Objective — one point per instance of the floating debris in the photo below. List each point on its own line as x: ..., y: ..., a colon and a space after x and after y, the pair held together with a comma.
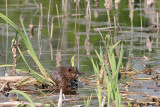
x: 87, y: 45
x: 15, y: 52
x: 31, y: 27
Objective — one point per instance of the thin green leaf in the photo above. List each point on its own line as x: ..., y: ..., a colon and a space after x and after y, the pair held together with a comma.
x: 26, y: 42
x: 26, y: 82
x: 112, y: 47
x: 72, y: 61
x: 6, y: 65
x: 34, y: 74
x: 25, y: 95
x: 100, y: 57
x: 108, y: 88
x: 120, y: 60
x: 46, y: 97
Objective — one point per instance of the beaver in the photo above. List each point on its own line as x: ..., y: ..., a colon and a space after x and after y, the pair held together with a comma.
x: 64, y: 76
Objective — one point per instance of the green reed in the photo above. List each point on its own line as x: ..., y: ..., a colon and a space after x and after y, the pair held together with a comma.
x: 110, y: 75
x: 44, y: 78
x: 88, y: 101
x: 18, y: 92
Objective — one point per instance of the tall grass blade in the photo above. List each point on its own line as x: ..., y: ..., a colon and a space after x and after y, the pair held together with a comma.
x: 110, y: 75
x: 96, y: 69
x: 112, y: 61
x: 100, y: 57
x: 26, y: 82
x: 119, y: 62
x: 88, y: 101
x: 25, y: 95
x: 34, y: 74
x: 46, y: 97
x: 112, y: 47
x: 31, y: 51
x: 108, y: 88
x: 26, y: 42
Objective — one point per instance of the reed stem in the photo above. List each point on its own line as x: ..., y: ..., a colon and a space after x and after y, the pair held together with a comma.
x: 7, y: 32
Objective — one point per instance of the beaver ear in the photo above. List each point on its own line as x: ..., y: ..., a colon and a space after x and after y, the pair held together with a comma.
x: 69, y: 69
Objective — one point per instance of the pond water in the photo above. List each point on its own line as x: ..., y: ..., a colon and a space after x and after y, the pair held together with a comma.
x: 75, y: 33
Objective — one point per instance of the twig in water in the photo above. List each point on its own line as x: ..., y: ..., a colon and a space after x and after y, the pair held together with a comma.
x: 102, y: 38
x: 108, y: 5
x: 48, y: 15
x: 39, y: 38
x: 58, y: 16
x: 6, y: 33
x: 36, y: 3
x: 2, y: 88
x: 51, y: 36
x: 60, y: 99
x: 41, y: 17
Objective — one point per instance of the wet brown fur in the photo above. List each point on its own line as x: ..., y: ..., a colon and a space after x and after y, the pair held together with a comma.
x: 62, y: 76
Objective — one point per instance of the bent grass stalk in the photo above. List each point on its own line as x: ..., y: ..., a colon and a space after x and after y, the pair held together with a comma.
x: 26, y: 96
x: 52, y: 103
x: 34, y: 74
x: 29, y: 47
x: 30, y: 100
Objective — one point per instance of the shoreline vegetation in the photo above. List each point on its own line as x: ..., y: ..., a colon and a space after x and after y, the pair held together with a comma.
x: 108, y: 60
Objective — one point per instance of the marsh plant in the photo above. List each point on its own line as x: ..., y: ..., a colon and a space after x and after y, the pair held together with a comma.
x: 87, y: 102
x: 30, y: 102
x: 110, y: 75
x: 42, y: 77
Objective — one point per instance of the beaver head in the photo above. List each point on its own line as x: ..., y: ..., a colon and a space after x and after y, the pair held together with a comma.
x: 72, y: 73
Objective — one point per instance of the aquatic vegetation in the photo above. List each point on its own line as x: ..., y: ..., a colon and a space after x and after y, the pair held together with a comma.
x: 31, y: 103
x: 110, y: 75
x: 6, y: 65
x: 72, y: 61
x: 88, y: 101
x: 41, y: 78
x: 52, y: 103
x: 25, y: 95
x: 71, y: 29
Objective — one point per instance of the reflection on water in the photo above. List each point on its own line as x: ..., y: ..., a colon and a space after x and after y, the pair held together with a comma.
x: 58, y: 58
x: 149, y: 42
x: 135, y: 22
x: 31, y: 28
x: 87, y: 46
